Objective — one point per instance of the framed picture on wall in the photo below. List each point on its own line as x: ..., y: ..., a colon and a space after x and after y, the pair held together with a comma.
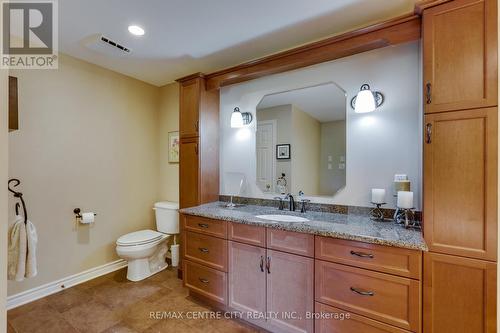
x: 283, y: 152
x: 173, y: 147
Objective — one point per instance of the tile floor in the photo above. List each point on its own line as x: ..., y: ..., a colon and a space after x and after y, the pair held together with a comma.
x: 111, y: 304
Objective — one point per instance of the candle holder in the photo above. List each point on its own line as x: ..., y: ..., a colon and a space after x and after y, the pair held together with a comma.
x: 406, y: 217
x: 376, y: 214
x: 231, y: 204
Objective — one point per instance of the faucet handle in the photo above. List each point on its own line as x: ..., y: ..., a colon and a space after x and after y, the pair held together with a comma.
x: 280, y: 206
x: 303, y: 207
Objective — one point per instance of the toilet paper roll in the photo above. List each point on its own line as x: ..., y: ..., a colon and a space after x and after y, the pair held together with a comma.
x: 87, y: 218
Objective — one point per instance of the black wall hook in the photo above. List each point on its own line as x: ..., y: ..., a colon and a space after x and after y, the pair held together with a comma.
x: 19, y: 195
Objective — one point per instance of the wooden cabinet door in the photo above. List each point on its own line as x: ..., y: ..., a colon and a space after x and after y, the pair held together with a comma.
x: 190, y: 94
x: 460, y: 183
x: 290, y: 291
x: 189, y: 173
x: 247, y: 278
x: 460, y: 55
x: 459, y: 295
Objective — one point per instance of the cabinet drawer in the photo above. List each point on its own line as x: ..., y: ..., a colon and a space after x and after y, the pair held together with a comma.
x: 352, y: 323
x: 206, y: 250
x: 248, y: 234
x: 380, y: 258
x: 387, y: 298
x: 206, y: 281
x: 292, y: 242
x: 206, y: 226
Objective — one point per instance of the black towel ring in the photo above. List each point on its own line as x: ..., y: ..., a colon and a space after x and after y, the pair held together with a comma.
x: 20, y: 196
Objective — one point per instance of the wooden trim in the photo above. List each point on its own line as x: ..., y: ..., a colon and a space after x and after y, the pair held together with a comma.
x: 421, y: 5
x: 395, y: 31
x: 190, y: 77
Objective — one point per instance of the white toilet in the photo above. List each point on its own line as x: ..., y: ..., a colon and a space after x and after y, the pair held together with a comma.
x: 146, y: 250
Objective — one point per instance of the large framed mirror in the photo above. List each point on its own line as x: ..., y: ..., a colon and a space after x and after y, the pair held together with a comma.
x: 301, y: 141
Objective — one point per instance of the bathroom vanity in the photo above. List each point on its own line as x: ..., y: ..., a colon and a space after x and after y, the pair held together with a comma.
x: 239, y: 262
x: 451, y: 157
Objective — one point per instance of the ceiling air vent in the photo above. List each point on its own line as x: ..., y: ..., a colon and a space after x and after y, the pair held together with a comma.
x: 115, y: 44
x: 105, y: 45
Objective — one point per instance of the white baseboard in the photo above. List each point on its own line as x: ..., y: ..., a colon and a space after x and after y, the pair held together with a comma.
x: 31, y: 295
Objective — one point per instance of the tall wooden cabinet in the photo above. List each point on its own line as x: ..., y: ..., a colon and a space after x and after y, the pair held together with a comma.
x: 460, y: 182
x: 199, y: 143
x: 460, y: 55
x: 459, y: 294
x: 460, y: 166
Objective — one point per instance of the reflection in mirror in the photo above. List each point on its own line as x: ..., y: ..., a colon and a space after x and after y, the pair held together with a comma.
x: 301, y: 141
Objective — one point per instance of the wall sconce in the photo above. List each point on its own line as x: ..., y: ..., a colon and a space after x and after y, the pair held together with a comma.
x: 366, y: 100
x: 240, y: 119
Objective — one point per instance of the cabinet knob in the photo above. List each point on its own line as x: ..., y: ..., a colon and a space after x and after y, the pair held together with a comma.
x: 205, y: 281
x: 203, y: 225
x: 203, y: 249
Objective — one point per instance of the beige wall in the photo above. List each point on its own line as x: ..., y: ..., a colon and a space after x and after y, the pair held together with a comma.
x: 169, y: 122
x: 3, y: 195
x: 88, y: 138
x: 305, y: 151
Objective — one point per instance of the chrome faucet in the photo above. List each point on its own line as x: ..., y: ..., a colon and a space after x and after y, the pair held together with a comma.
x: 292, y: 202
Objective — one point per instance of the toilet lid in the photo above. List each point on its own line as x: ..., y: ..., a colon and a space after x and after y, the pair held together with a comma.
x: 139, y: 237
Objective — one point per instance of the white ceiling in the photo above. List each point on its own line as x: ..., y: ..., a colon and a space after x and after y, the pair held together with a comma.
x: 324, y: 102
x: 187, y: 36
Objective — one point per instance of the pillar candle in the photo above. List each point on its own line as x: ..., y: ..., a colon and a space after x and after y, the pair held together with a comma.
x: 405, y: 199
x: 378, y: 195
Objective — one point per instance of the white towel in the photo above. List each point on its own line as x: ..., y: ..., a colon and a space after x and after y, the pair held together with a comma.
x: 22, y: 250
x: 17, y: 256
x: 32, y: 240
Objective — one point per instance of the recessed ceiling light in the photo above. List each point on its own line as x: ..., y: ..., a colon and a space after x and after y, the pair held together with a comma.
x: 136, y: 30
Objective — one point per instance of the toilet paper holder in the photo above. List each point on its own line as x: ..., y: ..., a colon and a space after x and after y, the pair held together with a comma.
x: 78, y: 213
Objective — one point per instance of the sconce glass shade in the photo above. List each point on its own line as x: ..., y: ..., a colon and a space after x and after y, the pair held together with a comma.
x: 240, y: 119
x: 366, y: 100
x: 236, y: 118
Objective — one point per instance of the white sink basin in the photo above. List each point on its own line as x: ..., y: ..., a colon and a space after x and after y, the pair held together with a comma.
x: 282, y: 218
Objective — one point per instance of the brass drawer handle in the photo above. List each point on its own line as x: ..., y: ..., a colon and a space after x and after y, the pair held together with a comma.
x: 362, y: 292
x: 362, y: 255
x: 205, y: 281
x: 203, y: 249
x: 203, y: 225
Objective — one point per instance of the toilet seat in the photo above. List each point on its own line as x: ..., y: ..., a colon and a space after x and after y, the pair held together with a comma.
x: 141, y: 237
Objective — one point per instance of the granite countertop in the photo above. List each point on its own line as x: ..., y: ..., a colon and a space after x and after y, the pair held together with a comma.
x: 344, y: 226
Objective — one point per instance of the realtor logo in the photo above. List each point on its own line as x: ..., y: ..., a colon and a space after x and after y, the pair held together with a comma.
x: 29, y: 34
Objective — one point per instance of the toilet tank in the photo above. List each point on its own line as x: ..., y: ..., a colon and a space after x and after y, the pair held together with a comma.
x: 167, y: 217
